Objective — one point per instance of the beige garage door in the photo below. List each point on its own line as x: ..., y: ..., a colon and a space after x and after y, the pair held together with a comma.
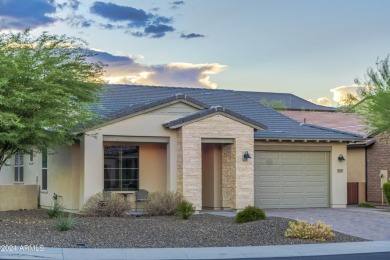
x: 291, y: 179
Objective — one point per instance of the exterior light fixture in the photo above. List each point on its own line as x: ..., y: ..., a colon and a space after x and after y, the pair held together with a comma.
x: 246, y: 156
x: 341, y: 157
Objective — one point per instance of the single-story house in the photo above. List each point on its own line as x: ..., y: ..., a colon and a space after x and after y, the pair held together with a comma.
x: 220, y: 148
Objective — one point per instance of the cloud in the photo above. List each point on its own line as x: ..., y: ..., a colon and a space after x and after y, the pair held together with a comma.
x: 185, y: 74
x: 78, y: 21
x: 158, y: 31
x: 340, y: 94
x: 176, y: 4
x: 72, y: 4
x: 191, y: 35
x: 324, y: 101
x: 147, y: 24
x: 20, y: 14
x: 117, y: 13
x: 126, y: 70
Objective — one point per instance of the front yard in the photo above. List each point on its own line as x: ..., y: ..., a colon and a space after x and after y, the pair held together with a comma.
x: 34, y: 227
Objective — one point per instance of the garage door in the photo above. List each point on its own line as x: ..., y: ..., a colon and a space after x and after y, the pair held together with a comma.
x: 291, y: 179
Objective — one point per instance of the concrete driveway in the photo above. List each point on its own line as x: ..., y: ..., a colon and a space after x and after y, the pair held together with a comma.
x: 372, y: 224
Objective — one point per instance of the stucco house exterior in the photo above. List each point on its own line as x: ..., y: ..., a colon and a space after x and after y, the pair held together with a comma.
x: 196, y: 142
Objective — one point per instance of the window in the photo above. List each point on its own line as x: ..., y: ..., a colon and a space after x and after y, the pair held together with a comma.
x: 121, y: 172
x: 44, y: 169
x: 18, y: 174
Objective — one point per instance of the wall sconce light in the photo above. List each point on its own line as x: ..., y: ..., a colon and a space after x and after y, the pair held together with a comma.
x: 341, y: 157
x: 246, y: 156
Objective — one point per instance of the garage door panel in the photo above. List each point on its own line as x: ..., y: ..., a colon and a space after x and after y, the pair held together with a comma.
x: 292, y: 190
x: 291, y: 167
x: 269, y: 168
x: 315, y: 168
x: 291, y: 156
x: 270, y: 190
x: 270, y: 179
x: 317, y: 156
x: 295, y: 180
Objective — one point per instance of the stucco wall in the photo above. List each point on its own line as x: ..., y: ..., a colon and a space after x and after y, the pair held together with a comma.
x: 63, y: 168
x: 146, y: 125
x: 15, y: 197
x: 240, y: 193
x: 338, y: 169
x: 357, y: 170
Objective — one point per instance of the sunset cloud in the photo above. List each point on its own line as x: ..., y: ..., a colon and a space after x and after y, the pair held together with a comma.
x: 126, y: 70
x: 340, y: 94
x: 324, y: 101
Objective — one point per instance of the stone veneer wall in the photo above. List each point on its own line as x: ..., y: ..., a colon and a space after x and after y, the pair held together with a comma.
x: 378, y: 158
x: 237, y: 175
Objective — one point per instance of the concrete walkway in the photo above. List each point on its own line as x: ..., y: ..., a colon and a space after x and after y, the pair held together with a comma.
x: 372, y: 224
x: 203, y: 253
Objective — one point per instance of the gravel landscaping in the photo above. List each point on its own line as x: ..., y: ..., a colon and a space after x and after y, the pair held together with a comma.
x: 34, y: 227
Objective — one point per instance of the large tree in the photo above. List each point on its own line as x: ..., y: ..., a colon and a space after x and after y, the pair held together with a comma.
x: 374, y: 97
x: 47, y: 85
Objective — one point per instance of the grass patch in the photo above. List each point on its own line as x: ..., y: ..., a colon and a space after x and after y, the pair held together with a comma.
x: 65, y: 223
x: 365, y: 205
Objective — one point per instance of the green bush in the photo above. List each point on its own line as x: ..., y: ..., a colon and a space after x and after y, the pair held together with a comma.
x: 304, y: 230
x: 386, y: 190
x: 65, y: 223
x: 106, y: 204
x: 55, y: 211
x: 185, y: 209
x: 365, y: 205
x: 162, y: 203
x: 250, y: 213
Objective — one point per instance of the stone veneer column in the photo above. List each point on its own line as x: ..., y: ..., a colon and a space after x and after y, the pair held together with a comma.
x: 237, y: 175
x: 228, y: 176
x: 190, y: 166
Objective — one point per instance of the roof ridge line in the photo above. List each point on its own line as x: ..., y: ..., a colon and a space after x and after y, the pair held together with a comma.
x: 333, y: 130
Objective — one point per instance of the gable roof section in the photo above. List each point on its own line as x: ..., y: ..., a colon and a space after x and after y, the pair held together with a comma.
x: 141, y: 108
x: 279, y: 127
x: 210, y: 112
x: 290, y: 101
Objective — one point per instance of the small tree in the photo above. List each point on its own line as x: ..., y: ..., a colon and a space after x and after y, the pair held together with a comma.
x: 47, y: 85
x: 373, y: 101
x: 274, y: 104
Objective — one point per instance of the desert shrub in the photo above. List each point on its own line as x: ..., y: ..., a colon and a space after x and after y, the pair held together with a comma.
x: 65, y: 223
x: 162, y: 203
x: 365, y: 205
x: 386, y: 191
x: 185, y: 209
x: 106, y: 204
x: 55, y: 211
x: 304, y: 230
x: 250, y: 213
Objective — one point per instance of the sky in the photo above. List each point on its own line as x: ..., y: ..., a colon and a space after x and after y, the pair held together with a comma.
x: 311, y: 48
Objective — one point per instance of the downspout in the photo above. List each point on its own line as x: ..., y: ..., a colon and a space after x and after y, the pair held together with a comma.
x: 366, y: 175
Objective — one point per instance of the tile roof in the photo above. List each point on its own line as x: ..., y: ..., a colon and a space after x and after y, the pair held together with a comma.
x: 121, y: 97
x: 211, y: 111
x: 347, y: 122
x: 289, y: 101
